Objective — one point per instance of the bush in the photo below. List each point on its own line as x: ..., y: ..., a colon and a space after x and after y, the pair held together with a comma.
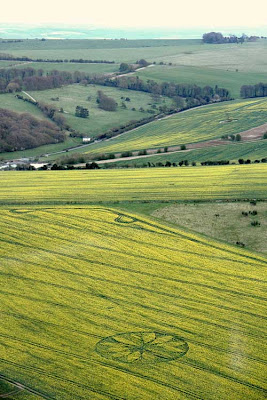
x: 183, y: 147
x: 142, y: 153
x: 255, y: 223
x: 126, y: 154
x: 106, y: 103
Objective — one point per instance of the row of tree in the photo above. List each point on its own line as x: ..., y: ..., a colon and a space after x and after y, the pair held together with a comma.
x: 184, y: 95
x: 218, y: 38
x: 9, y: 57
x: 258, y: 90
x: 14, y: 79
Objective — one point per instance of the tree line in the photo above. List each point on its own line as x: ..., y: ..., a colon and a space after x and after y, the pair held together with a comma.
x: 184, y: 95
x: 49, y: 111
x: 23, y: 131
x: 250, y: 91
x: 218, y: 38
x: 9, y: 57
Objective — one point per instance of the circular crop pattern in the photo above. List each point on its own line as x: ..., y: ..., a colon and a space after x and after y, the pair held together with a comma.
x: 146, y: 347
x: 125, y: 219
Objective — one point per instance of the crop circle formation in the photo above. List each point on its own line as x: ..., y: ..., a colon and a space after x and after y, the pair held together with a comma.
x: 145, y: 347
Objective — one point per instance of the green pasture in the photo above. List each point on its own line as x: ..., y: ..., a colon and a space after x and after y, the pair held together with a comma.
x: 99, y: 120
x: 232, y: 152
x: 70, y: 44
x: 42, y: 151
x: 203, y: 76
x: 93, y: 69
x: 223, y: 221
x: 248, y: 57
x: 10, y: 102
x: 7, y: 64
x: 192, y: 126
x: 111, y: 50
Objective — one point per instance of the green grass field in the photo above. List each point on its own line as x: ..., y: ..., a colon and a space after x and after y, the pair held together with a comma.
x: 10, y: 102
x: 42, y: 151
x: 111, y: 50
x: 190, y: 127
x: 202, y: 76
x: 221, y: 220
x: 99, y: 120
x: 94, y: 69
x: 155, y: 184
x: 232, y: 152
x: 7, y: 64
x: 249, y: 57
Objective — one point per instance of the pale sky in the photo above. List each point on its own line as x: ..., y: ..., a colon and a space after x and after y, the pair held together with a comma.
x: 138, y: 13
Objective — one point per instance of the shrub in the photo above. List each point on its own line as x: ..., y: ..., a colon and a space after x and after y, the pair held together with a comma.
x: 255, y: 223
x: 142, y: 153
x: 106, y: 103
x: 126, y: 154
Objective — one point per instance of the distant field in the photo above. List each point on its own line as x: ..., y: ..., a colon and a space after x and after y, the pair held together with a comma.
x: 200, y: 76
x: 94, y: 69
x: 70, y: 44
x: 99, y: 120
x: 155, y: 184
x: 249, y: 150
x: 7, y: 64
x: 190, y: 127
x: 111, y: 50
x: 249, y: 57
x: 10, y: 102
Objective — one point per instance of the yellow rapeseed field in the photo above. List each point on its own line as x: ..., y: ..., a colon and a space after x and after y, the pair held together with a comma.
x: 97, y: 304
x: 153, y: 184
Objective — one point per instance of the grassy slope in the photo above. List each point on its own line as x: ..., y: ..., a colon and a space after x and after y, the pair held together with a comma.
x: 99, y: 120
x: 71, y: 67
x: 9, y: 102
x: 202, y: 76
x: 190, y: 127
x: 222, y: 221
x: 41, y: 151
x: 87, y: 282
x: 155, y: 184
x: 234, y: 151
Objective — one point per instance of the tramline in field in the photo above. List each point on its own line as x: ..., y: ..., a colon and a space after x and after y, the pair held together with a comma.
x: 90, y: 292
